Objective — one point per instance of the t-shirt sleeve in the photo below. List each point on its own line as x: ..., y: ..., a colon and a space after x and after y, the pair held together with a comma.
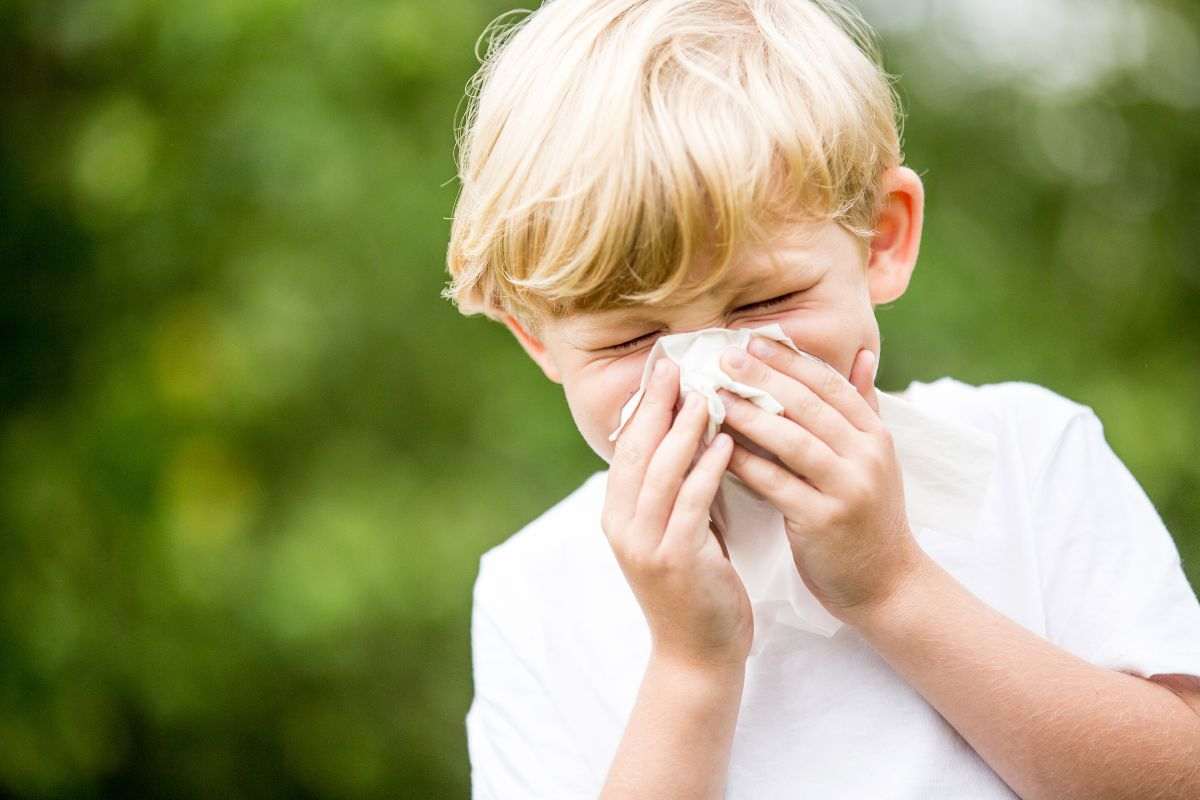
x: 1114, y: 588
x: 516, y: 739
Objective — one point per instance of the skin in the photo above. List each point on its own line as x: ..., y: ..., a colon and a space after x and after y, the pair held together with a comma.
x: 832, y: 316
x: 1019, y: 701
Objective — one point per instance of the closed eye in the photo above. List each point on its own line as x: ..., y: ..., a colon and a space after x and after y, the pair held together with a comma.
x: 774, y: 301
x: 632, y: 342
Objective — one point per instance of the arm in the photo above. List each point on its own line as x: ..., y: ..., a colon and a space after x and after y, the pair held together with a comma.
x: 1049, y: 723
x: 678, y: 739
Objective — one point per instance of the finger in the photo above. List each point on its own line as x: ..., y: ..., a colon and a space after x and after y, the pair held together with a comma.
x: 799, y: 450
x: 790, y: 494
x: 688, y: 527
x: 669, y: 465
x: 819, y: 376
x: 862, y: 376
x: 801, y: 404
x: 638, y: 441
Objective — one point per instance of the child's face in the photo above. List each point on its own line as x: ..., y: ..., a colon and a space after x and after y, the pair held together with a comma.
x: 825, y: 295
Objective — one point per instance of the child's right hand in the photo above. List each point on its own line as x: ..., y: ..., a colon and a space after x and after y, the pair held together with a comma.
x: 656, y: 520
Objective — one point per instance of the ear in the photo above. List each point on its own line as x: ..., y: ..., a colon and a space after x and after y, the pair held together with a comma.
x: 534, y: 347
x: 897, y: 235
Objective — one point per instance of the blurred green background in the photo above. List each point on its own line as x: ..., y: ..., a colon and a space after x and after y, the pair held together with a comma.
x: 249, y: 459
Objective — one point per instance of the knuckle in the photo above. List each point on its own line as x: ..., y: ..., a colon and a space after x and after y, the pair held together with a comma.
x: 801, y: 445
x: 691, y: 499
x: 789, y: 361
x: 620, y: 550
x: 654, y: 404
x: 669, y: 561
x: 887, y: 442
x: 811, y: 406
x: 858, y: 492
x: 628, y: 455
x: 755, y: 369
x: 681, y: 426
x: 841, y: 509
x: 647, y: 563
x: 877, y: 460
x: 830, y: 382
x: 776, y: 479
x: 613, y: 524
x: 632, y: 556
x: 684, y: 494
x: 882, y: 450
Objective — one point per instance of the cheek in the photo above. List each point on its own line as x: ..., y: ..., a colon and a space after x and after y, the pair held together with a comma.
x: 597, y: 397
x: 834, y: 335
x: 819, y: 332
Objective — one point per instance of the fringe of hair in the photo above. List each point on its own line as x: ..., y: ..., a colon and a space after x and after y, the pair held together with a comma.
x: 611, y: 147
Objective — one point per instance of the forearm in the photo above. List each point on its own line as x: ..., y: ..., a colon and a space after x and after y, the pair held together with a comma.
x: 679, y: 735
x: 1049, y: 723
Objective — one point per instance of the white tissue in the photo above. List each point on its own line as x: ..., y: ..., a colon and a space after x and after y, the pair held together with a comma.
x: 945, y: 468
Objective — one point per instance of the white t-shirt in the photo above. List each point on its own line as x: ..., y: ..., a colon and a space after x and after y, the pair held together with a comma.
x: 1069, y: 546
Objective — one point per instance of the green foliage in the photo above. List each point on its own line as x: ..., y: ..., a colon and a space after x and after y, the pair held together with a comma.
x: 249, y: 458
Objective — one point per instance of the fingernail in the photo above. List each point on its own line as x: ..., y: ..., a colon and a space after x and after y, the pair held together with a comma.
x: 691, y: 401
x: 660, y: 369
x: 760, y: 348
x: 735, y: 358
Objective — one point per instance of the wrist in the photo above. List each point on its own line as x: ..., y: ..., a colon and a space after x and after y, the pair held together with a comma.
x: 906, y: 597
x: 699, y: 677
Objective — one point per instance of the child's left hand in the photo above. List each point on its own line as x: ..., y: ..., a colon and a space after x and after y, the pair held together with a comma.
x: 839, y: 488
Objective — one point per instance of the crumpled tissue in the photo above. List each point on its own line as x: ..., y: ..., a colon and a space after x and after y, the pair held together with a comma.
x: 945, y: 466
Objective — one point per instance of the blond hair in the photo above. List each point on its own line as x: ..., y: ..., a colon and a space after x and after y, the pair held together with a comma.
x: 610, y: 144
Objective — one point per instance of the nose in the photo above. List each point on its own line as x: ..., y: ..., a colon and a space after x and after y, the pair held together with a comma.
x: 700, y: 314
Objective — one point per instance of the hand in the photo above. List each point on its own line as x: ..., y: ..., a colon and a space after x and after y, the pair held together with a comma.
x: 656, y: 518
x: 837, y: 480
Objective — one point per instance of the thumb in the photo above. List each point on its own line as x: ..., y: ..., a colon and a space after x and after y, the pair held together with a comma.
x: 862, y: 376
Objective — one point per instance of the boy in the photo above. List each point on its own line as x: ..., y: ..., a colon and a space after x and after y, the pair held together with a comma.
x: 634, y: 169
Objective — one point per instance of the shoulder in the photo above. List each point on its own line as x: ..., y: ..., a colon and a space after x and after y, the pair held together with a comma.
x: 1028, y: 419
x: 530, y: 579
x: 992, y: 403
